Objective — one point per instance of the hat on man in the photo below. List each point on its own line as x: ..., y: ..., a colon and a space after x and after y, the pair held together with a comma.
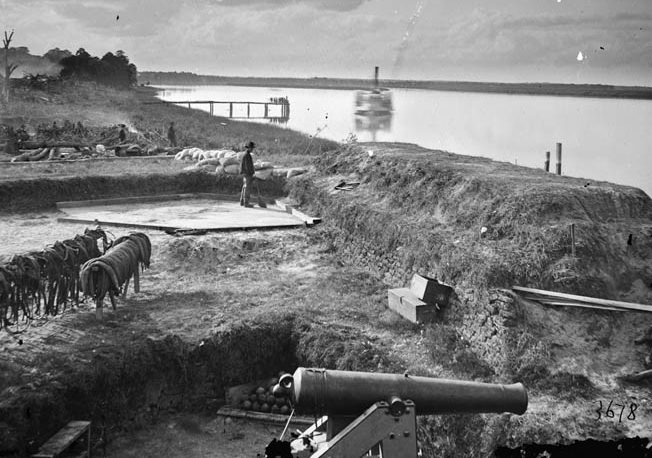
x: 250, y: 145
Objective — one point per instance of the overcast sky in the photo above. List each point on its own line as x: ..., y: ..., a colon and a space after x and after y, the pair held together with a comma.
x: 478, y: 40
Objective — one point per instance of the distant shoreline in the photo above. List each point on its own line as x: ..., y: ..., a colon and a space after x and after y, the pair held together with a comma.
x: 549, y: 89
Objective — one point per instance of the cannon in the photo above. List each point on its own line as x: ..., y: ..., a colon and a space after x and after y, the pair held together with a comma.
x: 376, y: 412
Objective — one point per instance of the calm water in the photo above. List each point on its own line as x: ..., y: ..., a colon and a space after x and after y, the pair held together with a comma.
x: 603, y: 139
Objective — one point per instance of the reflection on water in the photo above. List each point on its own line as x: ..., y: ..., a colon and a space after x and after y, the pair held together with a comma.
x: 372, y: 123
x: 603, y: 139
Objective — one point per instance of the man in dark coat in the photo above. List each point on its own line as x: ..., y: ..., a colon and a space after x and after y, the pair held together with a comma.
x: 172, y: 135
x: 123, y: 133
x: 247, y: 171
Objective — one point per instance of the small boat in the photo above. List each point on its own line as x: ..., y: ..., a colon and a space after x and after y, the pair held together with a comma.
x: 373, y: 101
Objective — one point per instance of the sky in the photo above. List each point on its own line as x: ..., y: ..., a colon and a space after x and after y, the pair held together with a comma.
x: 469, y: 40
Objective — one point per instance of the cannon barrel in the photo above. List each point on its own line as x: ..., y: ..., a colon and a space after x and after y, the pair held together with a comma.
x: 351, y: 393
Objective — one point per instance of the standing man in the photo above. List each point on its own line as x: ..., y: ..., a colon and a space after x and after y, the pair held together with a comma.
x: 247, y: 171
x: 172, y: 135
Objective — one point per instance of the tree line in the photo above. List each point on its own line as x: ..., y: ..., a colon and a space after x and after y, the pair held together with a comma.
x: 111, y: 69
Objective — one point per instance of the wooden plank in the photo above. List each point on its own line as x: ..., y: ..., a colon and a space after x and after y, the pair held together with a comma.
x: 585, y: 299
x: 262, y: 416
x: 175, y: 228
x: 309, y: 220
x: 579, y: 304
x: 63, y: 439
x: 569, y: 303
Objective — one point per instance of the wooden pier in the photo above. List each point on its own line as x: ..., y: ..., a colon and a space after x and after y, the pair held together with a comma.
x: 281, y: 102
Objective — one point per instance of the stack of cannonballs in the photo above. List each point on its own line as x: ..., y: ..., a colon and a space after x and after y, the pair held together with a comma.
x: 261, y: 399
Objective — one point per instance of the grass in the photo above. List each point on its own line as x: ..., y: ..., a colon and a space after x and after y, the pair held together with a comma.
x: 102, y: 107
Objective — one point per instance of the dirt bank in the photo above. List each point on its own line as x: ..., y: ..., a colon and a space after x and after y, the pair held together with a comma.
x: 28, y: 195
x: 417, y: 210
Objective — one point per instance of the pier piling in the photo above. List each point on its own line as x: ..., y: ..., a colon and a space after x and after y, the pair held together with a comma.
x: 546, y: 165
x: 558, y: 158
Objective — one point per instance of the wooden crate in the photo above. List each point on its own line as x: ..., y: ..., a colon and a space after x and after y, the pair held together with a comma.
x: 405, y: 303
x: 430, y: 290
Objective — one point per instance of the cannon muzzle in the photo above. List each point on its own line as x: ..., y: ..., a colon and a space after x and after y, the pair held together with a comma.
x: 344, y: 393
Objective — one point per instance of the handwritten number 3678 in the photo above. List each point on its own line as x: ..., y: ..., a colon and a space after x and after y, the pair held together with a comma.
x: 609, y: 413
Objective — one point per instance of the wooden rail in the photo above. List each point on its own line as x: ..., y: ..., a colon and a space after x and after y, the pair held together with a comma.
x: 283, y: 103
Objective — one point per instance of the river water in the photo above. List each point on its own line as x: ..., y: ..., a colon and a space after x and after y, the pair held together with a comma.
x: 602, y: 139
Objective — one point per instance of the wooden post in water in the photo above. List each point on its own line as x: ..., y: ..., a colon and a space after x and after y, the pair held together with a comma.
x: 189, y: 105
x: 266, y: 109
x: 558, y: 158
x: 572, y: 234
x: 248, y: 109
x: 230, y: 109
x: 547, y: 163
x: 211, y: 108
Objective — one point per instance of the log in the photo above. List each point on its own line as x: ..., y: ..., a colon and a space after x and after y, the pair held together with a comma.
x: 49, y: 144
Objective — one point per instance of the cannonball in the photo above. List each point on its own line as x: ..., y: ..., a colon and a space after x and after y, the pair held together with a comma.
x: 247, y: 405
x: 271, y: 399
x: 255, y: 406
x: 281, y: 401
x: 253, y: 397
x: 285, y: 410
x: 262, y: 398
x: 275, y: 409
x: 260, y: 390
x: 264, y: 408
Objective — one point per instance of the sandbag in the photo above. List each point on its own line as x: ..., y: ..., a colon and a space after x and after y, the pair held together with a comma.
x: 260, y: 165
x: 211, y: 154
x: 295, y: 171
x: 229, y: 158
x: 54, y: 154
x: 211, y: 162
x: 233, y: 169
x: 263, y: 174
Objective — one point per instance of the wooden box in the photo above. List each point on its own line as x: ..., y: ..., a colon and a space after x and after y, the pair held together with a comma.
x: 406, y: 304
x: 430, y: 290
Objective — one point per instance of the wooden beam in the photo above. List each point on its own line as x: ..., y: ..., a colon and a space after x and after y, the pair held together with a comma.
x: 638, y: 377
x: 583, y: 299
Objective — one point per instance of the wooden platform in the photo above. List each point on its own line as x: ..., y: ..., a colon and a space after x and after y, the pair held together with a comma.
x: 183, y: 212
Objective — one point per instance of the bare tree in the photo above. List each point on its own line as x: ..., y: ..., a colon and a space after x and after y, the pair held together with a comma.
x: 9, y: 69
